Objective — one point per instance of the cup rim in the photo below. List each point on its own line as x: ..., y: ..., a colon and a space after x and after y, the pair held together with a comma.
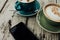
x: 44, y: 12
x: 26, y: 2
x: 39, y: 23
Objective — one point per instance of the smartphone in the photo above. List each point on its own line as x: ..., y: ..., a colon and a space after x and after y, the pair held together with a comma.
x: 21, y: 32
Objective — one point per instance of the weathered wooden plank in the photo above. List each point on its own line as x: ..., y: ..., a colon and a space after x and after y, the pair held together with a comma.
x: 40, y: 33
x: 6, y: 6
x: 7, y: 35
x: 5, y: 16
x: 44, y: 2
x: 17, y: 18
x: 2, y: 3
x: 32, y: 24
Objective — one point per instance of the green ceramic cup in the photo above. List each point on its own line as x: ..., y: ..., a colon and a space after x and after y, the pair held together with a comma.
x: 44, y: 24
x: 47, y: 12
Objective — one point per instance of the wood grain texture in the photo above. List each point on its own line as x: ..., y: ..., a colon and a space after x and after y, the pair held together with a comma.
x: 5, y: 16
x: 9, y: 13
x: 33, y: 26
x: 2, y: 3
x: 39, y: 32
x: 44, y: 2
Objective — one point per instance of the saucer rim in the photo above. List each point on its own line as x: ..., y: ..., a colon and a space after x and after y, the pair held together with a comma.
x: 49, y: 4
x: 26, y: 15
x: 37, y: 8
x: 38, y: 22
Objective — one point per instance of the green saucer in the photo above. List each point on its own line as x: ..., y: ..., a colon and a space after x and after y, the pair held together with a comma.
x: 44, y: 25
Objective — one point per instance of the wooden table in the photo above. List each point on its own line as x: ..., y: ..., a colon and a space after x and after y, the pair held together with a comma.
x: 9, y: 18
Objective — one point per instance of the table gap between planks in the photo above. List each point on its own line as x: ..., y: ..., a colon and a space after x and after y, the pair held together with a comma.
x: 9, y: 16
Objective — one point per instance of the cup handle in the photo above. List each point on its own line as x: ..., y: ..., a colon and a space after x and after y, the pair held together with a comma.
x: 17, y: 6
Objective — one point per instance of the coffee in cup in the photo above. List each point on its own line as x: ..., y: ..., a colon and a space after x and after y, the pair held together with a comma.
x: 52, y: 14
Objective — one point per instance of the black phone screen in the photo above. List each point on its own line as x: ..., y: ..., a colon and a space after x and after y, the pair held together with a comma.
x: 21, y: 32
